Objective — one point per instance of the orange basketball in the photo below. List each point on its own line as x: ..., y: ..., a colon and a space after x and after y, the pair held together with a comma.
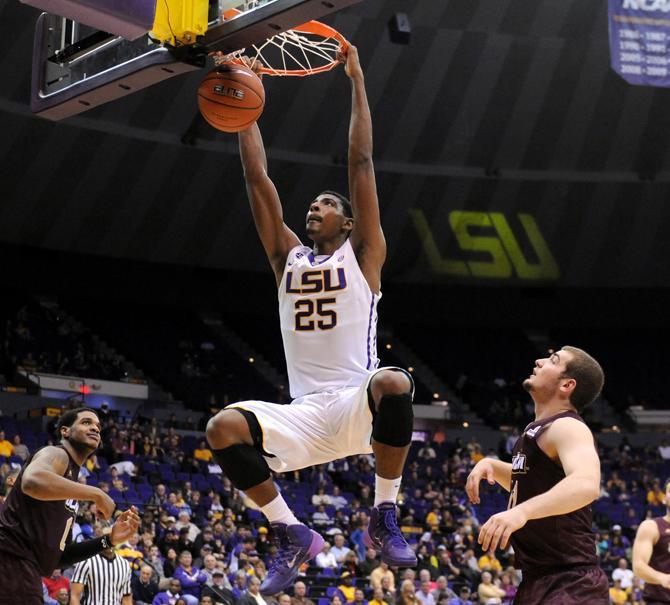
x: 231, y: 97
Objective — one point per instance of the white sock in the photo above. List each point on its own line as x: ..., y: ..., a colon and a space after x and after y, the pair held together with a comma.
x: 278, y: 511
x: 386, y: 490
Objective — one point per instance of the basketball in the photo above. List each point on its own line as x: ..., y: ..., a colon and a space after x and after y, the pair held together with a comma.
x: 231, y: 97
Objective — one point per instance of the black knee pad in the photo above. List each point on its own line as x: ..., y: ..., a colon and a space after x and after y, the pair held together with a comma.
x: 394, y: 421
x: 243, y: 464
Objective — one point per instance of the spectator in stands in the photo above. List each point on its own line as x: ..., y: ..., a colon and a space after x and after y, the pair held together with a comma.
x: 442, y: 588
x: 381, y: 572
x: 624, y: 574
x: 46, y: 598
x: 664, y: 450
x: 336, y: 599
x: 656, y: 495
x: 508, y: 586
x: 218, y: 592
x: 617, y: 533
x: 489, y: 593
x: 407, y: 594
x: 424, y: 594
x: 427, y: 452
x: 326, y: 559
x: 489, y: 562
x: 253, y: 596
x: 20, y: 449
x: 463, y: 597
x: 144, y: 587
x: 203, y: 453
x: 240, y: 584
x: 155, y: 561
x: 6, y: 448
x: 346, y: 587
x: 300, y: 595
x: 184, y: 522
x: 320, y: 517
x: 190, y: 577
x: 377, y: 597
x: 169, y: 596
x: 388, y: 590
x: 321, y: 497
x: 618, y: 595
x: 63, y: 596
x: 359, y: 597
x: 56, y: 581
x: 170, y: 563
x: 340, y: 550
x: 369, y: 563
x: 337, y: 499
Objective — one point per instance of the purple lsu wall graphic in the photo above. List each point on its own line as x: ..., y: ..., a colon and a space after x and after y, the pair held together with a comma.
x: 639, y: 31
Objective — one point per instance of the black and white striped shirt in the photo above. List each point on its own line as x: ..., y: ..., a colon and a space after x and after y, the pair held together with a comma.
x: 108, y: 581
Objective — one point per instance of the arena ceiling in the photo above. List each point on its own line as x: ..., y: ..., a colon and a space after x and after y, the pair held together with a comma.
x: 503, y: 105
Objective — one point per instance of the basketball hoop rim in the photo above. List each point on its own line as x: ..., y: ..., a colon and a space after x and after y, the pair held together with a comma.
x: 316, y: 28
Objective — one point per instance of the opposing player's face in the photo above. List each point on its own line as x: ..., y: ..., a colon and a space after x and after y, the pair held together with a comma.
x: 325, y: 219
x: 85, y: 431
x: 546, y: 377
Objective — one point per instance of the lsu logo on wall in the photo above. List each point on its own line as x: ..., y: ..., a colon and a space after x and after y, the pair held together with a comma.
x: 506, y: 258
x: 519, y: 463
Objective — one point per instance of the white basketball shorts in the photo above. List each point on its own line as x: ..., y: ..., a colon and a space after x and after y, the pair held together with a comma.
x: 316, y: 428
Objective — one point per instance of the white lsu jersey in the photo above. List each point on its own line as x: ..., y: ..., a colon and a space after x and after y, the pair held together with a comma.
x: 328, y: 318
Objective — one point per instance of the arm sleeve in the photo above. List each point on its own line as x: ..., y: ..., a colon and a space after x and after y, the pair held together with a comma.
x: 127, y: 588
x: 79, y: 551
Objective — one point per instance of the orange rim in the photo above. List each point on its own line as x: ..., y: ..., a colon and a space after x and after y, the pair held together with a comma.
x: 311, y: 27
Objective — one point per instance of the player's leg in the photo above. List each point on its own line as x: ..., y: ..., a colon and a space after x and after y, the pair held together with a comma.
x: 233, y: 447
x: 236, y: 439
x: 391, y: 392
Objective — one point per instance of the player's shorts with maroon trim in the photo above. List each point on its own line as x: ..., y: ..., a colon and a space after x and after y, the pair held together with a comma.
x: 573, y: 585
x: 20, y: 581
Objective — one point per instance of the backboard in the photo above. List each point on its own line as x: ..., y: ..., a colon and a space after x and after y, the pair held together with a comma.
x: 77, y: 67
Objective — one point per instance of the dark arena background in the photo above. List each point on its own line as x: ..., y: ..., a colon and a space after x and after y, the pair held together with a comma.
x: 523, y: 188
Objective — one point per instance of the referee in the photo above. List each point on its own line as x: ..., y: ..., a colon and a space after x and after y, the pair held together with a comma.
x: 106, y: 576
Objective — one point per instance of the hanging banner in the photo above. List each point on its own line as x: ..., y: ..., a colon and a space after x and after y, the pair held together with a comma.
x: 639, y: 32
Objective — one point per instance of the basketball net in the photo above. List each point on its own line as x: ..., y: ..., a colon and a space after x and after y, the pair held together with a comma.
x: 305, y: 50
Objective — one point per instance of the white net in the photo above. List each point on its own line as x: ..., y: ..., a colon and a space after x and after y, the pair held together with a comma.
x: 295, y: 51
x: 305, y: 50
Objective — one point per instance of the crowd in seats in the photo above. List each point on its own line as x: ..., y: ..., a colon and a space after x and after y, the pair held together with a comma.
x: 201, y: 538
x: 41, y: 338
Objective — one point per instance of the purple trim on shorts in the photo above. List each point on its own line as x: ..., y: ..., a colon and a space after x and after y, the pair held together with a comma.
x: 372, y: 306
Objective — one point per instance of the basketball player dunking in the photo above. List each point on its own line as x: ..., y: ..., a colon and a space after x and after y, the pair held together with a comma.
x: 651, y: 556
x: 36, y: 518
x: 553, y: 478
x: 342, y: 403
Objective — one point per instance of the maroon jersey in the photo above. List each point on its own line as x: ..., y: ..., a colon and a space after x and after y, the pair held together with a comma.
x: 558, y: 541
x: 37, y: 530
x: 660, y: 561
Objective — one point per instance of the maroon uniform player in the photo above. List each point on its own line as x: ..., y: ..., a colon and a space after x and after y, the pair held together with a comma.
x: 553, y: 478
x: 36, y: 518
x: 651, y: 556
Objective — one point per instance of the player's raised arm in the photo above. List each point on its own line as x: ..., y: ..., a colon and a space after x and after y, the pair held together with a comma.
x: 276, y: 237
x: 367, y: 238
x: 43, y: 479
x: 645, y: 539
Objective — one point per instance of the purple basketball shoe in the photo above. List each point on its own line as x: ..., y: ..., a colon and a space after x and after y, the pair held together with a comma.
x: 383, y: 534
x: 297, y: 544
